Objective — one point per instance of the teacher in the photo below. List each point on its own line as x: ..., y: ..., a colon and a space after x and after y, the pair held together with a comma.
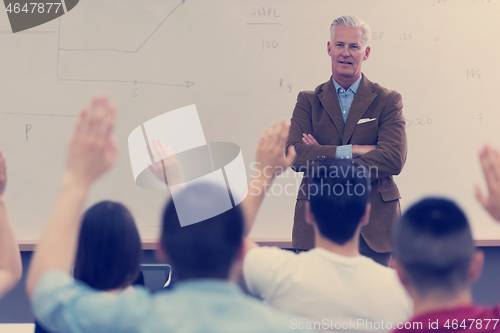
x: 350, y: 117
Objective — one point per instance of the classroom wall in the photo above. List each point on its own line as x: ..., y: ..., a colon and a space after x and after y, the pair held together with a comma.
x: 243, y: 63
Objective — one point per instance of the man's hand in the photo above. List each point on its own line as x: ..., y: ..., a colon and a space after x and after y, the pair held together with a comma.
x: 309, y: 139
x: 92, y: 150
x: 359, y: 150
x: 271, y: 151
x: 490, y: 162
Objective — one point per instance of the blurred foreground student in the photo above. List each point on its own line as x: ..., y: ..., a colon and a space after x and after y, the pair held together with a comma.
x: 109, y: 250
x: 332, y: 284
x: 10, y: 258
x: 204, y: 255
x: 437, y: 262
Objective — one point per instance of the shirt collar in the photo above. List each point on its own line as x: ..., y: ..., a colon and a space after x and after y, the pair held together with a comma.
x: 353, y: 87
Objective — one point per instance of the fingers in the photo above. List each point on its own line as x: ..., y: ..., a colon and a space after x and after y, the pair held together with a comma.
x: 168, y: 150
x: 275, y: 137
x: 81, y: 124
x: 97, y: 120
x: 309, y: 139
x: 284, y: 128
x: 313, y: 140
x: 2, y: 164
x: 262, y: 140
x: 154, y: 151
x: 166, y: 166
x: 490, y: 163
x: 486, y: 157
x: 3, y: 174
x: 110, y: 118
x: 480, y: 197
x: 495, y: 159
x: 160, y: 151
x: 95, y: 115
x: 291, y: 155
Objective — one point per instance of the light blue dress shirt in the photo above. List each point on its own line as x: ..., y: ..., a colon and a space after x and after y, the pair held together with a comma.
x: 345, y: 100
x: 205, y: 305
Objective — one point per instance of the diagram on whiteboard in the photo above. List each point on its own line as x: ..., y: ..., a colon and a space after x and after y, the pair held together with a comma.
x: 110, y: 51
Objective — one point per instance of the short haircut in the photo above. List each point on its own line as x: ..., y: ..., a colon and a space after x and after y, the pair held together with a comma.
x: 109, y: 247
x: 434, y: 245
x: 206, y: 249
x: 352, y: 21
x: 339, y: 191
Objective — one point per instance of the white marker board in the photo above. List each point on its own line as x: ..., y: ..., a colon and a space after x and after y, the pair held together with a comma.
x: 242, y: 63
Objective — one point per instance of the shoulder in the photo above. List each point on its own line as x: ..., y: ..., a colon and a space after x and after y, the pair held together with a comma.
x: 272, y: 257
x: 387, y: 285
x: 266, y: 267
x: 63, y: 304
x: 381, y: 91
x: 384, y: 277
x: 309, y: 94
x: 380, y: 271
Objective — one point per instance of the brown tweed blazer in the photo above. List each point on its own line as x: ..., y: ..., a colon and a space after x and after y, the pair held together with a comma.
x: 318, y: 113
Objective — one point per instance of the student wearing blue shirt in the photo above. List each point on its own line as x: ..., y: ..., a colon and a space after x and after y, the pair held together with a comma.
x: 203, y: 254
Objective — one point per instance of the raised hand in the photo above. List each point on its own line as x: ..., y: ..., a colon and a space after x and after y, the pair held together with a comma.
x: 3, y: 175
x: 10, y: 258
x: 167, y: 164
x: 271, y: 150
x: 270, y: 161
x: 490, y: 162
x: 91, y: 153
x: 92, y: 150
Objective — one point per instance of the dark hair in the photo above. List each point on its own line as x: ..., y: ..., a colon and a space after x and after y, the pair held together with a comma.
x: 109, y: 247
x: 434, y: 245
x: 208, y: 248
x: 339, y: 191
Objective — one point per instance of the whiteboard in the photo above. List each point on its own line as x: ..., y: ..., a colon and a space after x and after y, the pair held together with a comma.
x: 242, y: 63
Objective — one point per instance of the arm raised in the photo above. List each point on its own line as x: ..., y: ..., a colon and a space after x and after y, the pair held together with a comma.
x: 490, y: 162
x: 91, y: 153
x: 10, y: 258
x: 270, y: 161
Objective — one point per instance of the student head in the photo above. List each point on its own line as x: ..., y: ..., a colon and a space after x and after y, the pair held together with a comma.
x: 206, y: 249
x: 434, y: 250
x: 109, y: 247
x: 339, y: 192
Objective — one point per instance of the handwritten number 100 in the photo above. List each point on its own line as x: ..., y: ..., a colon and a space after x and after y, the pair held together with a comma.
x: 269, y: 44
